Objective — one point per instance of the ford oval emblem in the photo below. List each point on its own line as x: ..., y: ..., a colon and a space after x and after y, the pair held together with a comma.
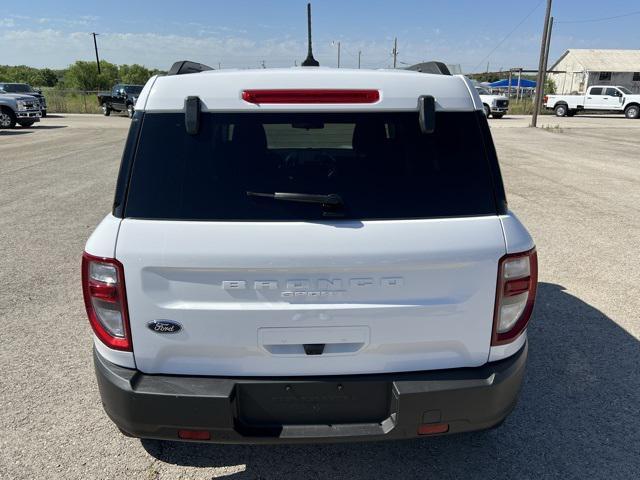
x: 164, y: 326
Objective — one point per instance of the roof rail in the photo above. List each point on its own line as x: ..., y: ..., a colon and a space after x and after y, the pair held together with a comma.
x: 438, y: 68
x: 185, y: 66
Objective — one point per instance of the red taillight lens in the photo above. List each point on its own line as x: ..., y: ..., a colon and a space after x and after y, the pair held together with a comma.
x: 545, y: 99
x: 194, y: 434
x: 432, y: 428
x: 310, y: 96
x: 515, y: 295
x: 105, y: 300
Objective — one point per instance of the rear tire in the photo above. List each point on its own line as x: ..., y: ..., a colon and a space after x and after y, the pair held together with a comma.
x: 561, y: 110
x: 487, y: 110
x: 7, y: 118
x: 26, y: 124
x: 106, y: 111
x: 632, y: 111
x: 43, y: 113
x: 497, y: 115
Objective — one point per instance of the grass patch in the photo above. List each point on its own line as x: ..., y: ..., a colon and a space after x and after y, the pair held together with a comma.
x: 71, y: 101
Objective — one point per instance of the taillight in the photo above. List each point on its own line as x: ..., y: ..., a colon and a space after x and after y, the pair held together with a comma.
x: 311, y: 96
x: 105, y: 300
x: 545, y: 99
x: 515, y: 295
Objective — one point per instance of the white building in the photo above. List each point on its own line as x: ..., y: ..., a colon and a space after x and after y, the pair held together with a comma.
x: 585, y: 67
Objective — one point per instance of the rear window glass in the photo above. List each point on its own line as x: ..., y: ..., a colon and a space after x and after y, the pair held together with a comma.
x: 379, y: 165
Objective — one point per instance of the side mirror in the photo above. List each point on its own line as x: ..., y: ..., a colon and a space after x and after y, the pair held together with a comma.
x: 427, y: 113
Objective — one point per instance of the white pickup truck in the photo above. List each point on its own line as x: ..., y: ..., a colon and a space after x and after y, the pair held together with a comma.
x: 599, y: 98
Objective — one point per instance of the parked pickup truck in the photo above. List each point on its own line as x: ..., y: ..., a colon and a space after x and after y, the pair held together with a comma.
x: 495, y: 105
x: 122, y: 98
x: 16, y: 108
x: 599, y: 98
x: 26, y: 89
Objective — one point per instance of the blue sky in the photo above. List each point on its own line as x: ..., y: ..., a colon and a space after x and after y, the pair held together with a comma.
x: 242, y: 33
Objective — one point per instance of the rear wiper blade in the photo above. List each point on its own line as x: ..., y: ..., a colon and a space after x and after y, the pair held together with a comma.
x: 331, y: 199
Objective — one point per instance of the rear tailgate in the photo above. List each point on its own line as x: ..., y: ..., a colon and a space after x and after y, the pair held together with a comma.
x: 382, y: 296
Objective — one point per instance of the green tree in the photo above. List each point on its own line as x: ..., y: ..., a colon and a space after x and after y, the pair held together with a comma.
x: 84, y: 75
x: 45, y: 77
x: 134, y: 74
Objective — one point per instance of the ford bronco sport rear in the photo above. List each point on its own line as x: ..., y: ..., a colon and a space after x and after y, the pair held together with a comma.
x: 309, y: 255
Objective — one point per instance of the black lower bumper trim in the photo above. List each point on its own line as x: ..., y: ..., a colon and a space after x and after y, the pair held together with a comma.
x: 309, y: 409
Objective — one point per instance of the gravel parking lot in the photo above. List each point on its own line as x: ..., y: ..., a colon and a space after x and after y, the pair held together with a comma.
x: 575, y: 184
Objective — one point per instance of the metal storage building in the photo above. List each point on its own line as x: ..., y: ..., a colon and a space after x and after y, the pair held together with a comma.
x: 580, y: 68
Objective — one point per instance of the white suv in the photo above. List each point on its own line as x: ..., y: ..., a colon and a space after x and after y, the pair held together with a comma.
x: 309, y: 254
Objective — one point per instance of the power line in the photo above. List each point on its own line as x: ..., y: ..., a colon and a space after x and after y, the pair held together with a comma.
x: 508, y: 35
x: 602, y: 19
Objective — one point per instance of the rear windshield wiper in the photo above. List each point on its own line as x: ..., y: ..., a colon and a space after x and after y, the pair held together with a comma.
x: 330, y: 201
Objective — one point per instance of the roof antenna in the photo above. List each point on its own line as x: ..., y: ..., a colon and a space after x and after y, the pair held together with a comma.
x: 309, y: 61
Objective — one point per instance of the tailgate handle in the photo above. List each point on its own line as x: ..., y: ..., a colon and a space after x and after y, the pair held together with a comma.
x: 313, y: 348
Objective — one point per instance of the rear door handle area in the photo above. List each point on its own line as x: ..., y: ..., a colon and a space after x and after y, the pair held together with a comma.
x: 313, y: 341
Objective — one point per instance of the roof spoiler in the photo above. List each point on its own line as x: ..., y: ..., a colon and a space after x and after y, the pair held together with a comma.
x: 185, y: 66
x: 437, y: 68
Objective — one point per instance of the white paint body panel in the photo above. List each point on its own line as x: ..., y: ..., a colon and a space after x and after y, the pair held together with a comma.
x: 414, y: 294
x: 119, y: 357
x: 384, y: 296
x: 102, y: 242
x: 516, y: 236
x: 221, y: 90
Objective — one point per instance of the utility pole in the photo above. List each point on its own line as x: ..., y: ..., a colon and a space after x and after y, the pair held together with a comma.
x: 539, y: 98
x: 95, y: 45
x: 359, y: 55
x: 395, y: 52
x: 219, y: 67
x: 338, y: 54
x: 264, y: 65
x: 541, y: 66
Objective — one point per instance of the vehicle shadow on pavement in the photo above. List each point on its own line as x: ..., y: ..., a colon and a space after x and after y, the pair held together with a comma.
x: 7, y: 133
x: 48, y: 127
x: 578, y: 417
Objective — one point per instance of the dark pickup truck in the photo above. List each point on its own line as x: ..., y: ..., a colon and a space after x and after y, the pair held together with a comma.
x: 122, y: 98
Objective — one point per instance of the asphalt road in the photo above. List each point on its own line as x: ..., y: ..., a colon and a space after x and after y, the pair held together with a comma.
x: 576, y: 187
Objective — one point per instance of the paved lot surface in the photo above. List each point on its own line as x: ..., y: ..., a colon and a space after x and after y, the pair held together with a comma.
x: 577, y: 187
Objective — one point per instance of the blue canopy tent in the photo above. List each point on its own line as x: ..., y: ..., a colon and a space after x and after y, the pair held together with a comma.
x: 524, y: 83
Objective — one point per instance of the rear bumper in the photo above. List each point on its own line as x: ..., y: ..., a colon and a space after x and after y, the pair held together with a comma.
x: 309, y: 409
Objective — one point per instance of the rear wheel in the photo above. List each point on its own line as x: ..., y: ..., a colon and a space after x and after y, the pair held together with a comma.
x: 26, y: 124
x: 632, y: 111
x: 497, y: 115
x: 7, y: 118
x: 44, y: 113
x: 487, y: 110
x: 106, y: 111
x: 560, y: 110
